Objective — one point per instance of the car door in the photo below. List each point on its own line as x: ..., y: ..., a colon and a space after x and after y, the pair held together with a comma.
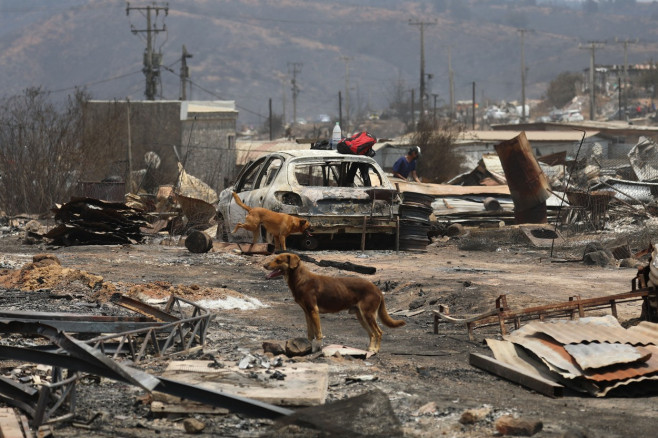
x: 244, y: 187
x: 254, y: 190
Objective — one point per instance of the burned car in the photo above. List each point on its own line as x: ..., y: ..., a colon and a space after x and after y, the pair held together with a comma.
x: 338, y: 194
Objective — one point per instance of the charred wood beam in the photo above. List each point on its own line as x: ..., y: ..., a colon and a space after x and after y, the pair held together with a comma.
x: 536, y: 383
x: 142, y: 308
x: 346, y: 266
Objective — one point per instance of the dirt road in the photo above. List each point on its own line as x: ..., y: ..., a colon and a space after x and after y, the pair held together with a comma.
x: 415, y: 366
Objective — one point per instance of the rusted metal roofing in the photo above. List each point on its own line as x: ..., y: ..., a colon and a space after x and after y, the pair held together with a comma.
x: 595, y: 329
x: 598, y: 367
x: 550, y: 352
x: 533, y: 136
x: 627, y: 371
x: 599, y: 355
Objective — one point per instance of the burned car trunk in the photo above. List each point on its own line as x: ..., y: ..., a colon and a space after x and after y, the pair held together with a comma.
x: 337, y: 194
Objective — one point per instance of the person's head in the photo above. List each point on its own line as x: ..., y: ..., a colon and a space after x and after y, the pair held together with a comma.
x: 414, y: 152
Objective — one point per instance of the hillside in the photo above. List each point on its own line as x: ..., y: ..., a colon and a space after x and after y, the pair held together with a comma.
x: 242, y: 48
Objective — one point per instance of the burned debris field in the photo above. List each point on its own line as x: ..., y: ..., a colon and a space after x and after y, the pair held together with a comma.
x: 236, y: 330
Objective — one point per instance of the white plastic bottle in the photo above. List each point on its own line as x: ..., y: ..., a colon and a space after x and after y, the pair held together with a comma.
x: 336, y: 135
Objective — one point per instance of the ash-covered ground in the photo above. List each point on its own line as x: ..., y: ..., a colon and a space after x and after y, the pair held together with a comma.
x: 425, y: 376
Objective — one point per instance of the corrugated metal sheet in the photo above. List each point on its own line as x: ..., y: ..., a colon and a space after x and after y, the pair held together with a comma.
x: 599, y: 355
x: 607, y: 366
x: 627, y: 371
x: 512, y: 355
x: 550, y: 352
x: 631, y: 387
x: 646, y: 328
x: 595, y: 329
x: 492, y: 163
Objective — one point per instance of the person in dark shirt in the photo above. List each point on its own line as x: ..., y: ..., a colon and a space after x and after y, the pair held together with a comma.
x: 406, y: 165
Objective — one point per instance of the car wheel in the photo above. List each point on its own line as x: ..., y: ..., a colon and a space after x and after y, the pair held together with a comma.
x: 221, y: 233
x: 310, y: 243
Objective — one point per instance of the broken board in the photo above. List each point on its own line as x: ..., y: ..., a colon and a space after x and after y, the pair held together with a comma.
x: 542, y: 235
x: 9, y: 425
x: 305, y: 384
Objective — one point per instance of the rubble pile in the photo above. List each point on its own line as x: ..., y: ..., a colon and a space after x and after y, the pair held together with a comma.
x: 88, y: 221
x: 46, y: 272
x: 594, y: 355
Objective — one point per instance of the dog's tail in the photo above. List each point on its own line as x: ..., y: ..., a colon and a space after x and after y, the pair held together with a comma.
x: 240, y: 203
x: 386, y: 319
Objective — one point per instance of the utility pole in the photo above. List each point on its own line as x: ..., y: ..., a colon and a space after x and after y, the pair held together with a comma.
x: 421, y: 25
x: 523, y: 72
x: 473, y: 105
x: 340, y: 110
x: 452, y: 84
x: 619, y: 95
x: 152, y: 61
x: 347, y: 60
x: 593, y: 45
x: 184, y: 73
x: 129, y: 152
x: 413, y: 111
x: 283, y: 103
x: 294, y: 67
x: 271, y: 122
x: 626, y: 81
x: 435, y: 95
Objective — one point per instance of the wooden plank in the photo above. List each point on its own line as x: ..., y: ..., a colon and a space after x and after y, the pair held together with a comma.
x: 305, y: 384
x: 185, y: 407
x: 9, y: 425
x: 500, y: 369
x: 440, y: 190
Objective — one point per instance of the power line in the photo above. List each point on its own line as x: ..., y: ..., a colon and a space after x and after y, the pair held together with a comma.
x: 96, y: 82
x: 212, y: 93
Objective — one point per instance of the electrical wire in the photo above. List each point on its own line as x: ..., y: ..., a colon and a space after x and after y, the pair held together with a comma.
x: 96, y: 82
x: 216, y: 95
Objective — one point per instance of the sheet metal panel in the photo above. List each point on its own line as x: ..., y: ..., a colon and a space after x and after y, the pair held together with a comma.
x: 550, y: 352
x: 646, y: 328
x: 595, y: 329
x: 599, y: 355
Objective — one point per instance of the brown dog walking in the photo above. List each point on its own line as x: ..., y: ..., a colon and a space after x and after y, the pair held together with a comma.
x: 323, y: 294
x: 279, y: 225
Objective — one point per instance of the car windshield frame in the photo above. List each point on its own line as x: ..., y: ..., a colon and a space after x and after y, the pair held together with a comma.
x: 338, y: 173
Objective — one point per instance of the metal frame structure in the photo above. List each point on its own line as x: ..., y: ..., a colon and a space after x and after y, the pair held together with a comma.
x: 184, y: 334
x: 502, y: 313
x: 42, y: 404
x: 83, y: 358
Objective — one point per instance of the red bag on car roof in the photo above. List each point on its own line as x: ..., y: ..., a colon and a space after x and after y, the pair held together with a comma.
x: 359, y: 144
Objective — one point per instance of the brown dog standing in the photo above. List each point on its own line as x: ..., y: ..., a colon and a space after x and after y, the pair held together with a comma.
x: 279, y: 225
x: 323, y: 294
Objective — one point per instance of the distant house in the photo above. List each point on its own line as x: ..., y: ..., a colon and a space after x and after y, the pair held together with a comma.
x: 199, y: 134
x: 617, y: 138
x: 474, y: 144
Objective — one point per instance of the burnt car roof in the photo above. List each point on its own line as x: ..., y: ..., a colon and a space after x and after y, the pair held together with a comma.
x: 315, y: 153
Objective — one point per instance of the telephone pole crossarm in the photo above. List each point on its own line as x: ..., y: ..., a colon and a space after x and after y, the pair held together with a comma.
x: 152, y: 61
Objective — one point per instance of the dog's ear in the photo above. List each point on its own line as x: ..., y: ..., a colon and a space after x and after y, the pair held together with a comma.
x: 302, y: 222
x: 293, y: 261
